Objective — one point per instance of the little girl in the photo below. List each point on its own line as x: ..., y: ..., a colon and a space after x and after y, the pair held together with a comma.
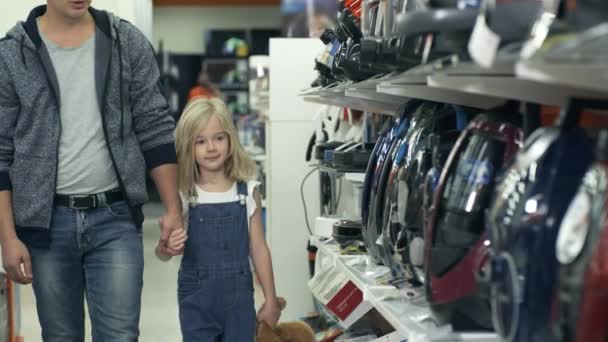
x: 215, y: 286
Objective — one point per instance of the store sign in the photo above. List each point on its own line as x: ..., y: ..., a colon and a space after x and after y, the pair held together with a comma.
x: 345, y: 301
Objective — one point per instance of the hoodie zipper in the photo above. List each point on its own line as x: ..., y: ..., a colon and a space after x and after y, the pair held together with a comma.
x: 104, y: 97
x: 56, y: 96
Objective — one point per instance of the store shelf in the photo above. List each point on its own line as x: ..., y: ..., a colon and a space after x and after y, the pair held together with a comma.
x: 413, y: 84
x: 340, y: 170
x: 470, y: 79
x: 589, y: 81
x: 355, y: 103
x: 411, y: 318
x: 234, y: 87
x: 359, y: 96
x: 425, y: 92
x: 468, y: 84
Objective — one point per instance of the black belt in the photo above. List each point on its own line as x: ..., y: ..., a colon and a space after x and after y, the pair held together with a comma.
x: 89, y: 201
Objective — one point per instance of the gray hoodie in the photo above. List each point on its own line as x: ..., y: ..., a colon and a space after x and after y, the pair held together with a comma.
x: 137, y: 126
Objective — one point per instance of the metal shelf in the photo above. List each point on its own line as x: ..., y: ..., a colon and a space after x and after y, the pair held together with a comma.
x: 396, y: 309
x: 590, y: 81
x: 356, y: 103
x: 234, y: 87
x: 468, y: 84
x: 464, y: 79
x: 340, y: 170
x: 425, y: 92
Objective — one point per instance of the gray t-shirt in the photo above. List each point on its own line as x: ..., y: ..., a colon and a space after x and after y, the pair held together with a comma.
x: 85, y: 165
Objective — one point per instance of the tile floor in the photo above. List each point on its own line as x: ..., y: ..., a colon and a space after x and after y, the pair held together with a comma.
x: 159, y: 317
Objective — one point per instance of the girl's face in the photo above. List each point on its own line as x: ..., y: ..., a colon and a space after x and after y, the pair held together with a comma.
x: 211, y: 147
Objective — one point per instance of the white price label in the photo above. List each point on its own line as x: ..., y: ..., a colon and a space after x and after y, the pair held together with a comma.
x: 483, y: 44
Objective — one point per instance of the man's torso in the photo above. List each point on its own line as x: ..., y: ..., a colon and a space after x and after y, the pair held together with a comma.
x: 84, y: 163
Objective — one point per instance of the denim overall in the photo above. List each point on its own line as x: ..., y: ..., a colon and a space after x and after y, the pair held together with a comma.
x: 215, y: 287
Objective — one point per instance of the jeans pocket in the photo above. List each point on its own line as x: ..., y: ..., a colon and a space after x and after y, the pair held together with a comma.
x: 119, y: 209
x: 188, y: 284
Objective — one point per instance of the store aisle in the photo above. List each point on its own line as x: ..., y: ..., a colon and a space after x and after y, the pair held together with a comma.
x: 159, y: 317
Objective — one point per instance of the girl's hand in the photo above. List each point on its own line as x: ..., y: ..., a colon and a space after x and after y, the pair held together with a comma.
x: 162, y: 253
x: 177, y: 239
x: 270, y: 313
x: 175, y: 245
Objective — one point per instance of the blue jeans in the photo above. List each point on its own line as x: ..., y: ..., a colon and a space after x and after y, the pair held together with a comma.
x: 97, y: 253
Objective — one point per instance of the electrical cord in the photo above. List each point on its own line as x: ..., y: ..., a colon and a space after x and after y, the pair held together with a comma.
x: 304, y: 200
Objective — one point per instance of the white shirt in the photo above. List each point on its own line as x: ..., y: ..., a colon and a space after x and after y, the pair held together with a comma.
x: 204, y: 197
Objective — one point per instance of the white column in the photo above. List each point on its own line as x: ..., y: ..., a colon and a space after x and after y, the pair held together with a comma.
x: 288, y: 132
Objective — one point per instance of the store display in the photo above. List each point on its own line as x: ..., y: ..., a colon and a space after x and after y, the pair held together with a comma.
x: 582, y: 244
x: 523, y: 223
x: 324, y: 63
x: 374, y: 166
x: 429, y: 34
x: 372, y: 209
x: 348, y: 233
x: 355, y: 157
x: 348, y: 60
x: 455, y: 234
x: 259, y: 84
x: 403, y: 220
x: 380, y: 51
x: 469, y: 220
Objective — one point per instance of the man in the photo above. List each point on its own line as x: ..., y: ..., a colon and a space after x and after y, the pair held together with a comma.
x: 81, y: 117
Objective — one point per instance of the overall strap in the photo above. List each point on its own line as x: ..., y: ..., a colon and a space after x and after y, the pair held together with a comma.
x: 242, y: 191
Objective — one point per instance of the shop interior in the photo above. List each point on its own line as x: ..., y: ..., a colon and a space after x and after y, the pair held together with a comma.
x: 431, y: 170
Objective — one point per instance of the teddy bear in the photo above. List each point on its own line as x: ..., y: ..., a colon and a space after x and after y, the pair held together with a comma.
x: 296, y: 331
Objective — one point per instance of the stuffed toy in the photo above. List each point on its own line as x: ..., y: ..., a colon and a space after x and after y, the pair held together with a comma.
x: 296, y: 331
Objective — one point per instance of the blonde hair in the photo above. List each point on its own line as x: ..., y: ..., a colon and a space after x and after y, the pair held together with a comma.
x: 197, y: 114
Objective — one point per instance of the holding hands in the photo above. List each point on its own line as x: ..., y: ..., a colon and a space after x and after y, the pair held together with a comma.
x: 172, y: 237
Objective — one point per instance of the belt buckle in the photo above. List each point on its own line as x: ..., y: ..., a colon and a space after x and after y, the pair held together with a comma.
x: 73, y: 200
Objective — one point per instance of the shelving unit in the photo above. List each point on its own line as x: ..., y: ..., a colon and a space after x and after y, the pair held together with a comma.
x: 469, y: 85
x: 409, y: 318
x: 234, y: 87
x: 447, y: 81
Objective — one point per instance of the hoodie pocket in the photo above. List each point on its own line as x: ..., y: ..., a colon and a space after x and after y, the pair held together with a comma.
x: 33, y: 190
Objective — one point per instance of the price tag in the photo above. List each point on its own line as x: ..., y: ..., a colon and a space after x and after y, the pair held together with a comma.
x: 483, y: 44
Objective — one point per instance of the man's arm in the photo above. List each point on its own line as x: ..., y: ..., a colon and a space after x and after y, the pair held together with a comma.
x: 165, y: 177
x: 154, y: 129
x: 14, y: 253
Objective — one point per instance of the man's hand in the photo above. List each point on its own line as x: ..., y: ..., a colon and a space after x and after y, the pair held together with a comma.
x: 14, y: 254
x: 169, y: 223
x: 176, y: 243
